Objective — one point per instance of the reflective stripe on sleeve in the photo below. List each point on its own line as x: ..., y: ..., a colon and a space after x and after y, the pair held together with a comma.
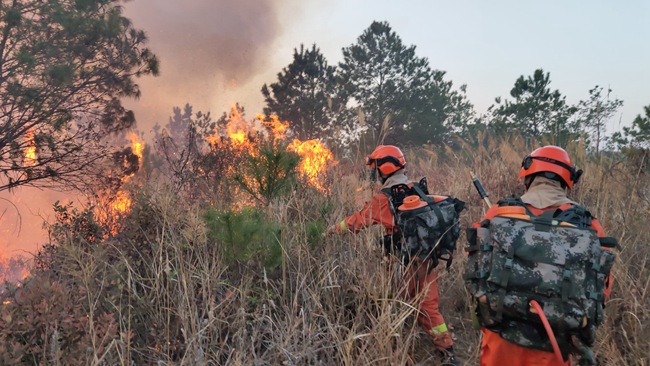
x: 343, y: 226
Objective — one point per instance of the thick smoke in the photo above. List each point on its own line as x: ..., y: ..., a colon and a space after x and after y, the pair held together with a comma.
x: 210, y: 51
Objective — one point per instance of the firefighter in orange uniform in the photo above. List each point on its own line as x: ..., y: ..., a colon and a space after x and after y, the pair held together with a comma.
x: 388, y: 163
x: 548, y: 174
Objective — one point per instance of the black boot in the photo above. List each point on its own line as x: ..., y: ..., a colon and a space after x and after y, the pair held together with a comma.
x: 447, y: 357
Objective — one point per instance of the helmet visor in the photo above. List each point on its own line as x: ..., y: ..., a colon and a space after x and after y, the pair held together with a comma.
x: 381, y: 161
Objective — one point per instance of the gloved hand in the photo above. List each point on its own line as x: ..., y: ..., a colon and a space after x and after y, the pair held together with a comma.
x: 588, y: 335
x: 330, y: 230
x: 586, y: 354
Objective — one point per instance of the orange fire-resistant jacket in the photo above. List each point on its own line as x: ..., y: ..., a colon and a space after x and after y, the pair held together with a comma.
x: 495, y: 351
x: 377, y: 211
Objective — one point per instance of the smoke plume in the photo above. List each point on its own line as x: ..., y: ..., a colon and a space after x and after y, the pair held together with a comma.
x: 210, y: 52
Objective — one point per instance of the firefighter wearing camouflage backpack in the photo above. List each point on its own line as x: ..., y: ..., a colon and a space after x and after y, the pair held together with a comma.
x: 387, y: 163
x: 542, y: 247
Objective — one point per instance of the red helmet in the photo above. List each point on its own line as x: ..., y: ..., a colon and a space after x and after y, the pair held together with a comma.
x: 551, y: 159
x: 387, y: 159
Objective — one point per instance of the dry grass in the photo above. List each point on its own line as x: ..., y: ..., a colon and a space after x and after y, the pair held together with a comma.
x: 332, y: 301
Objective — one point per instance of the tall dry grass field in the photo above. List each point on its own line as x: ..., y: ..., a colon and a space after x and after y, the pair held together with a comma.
x: 164, y: 291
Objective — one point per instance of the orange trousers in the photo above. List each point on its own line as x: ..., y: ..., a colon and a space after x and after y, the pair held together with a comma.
x: 424, y: 287
x: 495, y: 351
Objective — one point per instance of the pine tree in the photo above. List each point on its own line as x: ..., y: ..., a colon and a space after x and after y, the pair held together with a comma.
x: 64, y: 67
x: 305, y: 94
x: 385, y: 79
x: 536, y: 111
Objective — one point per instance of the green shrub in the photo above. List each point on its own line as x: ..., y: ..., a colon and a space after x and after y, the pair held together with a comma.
x: 268, y: 174
x: 245, y: 235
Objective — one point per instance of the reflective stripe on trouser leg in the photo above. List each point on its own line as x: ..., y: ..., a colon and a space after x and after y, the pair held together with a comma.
x: 429, y: 317
x: 437, y: 330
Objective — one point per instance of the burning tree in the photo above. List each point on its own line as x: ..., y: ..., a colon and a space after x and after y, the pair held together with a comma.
x: 265, y: 164
x: 64, y: 65
x: 113, y: 197
x: 241, y: 161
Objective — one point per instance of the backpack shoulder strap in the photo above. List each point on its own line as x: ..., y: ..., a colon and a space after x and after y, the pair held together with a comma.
x: 514, y: 201
x: 423, y: 196
x: 424, y: 185
x: 395, y: 196
x: 577, y: 215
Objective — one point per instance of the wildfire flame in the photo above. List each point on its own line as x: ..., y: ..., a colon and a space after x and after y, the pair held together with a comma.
x: 237, y: 132
x: 14, y: 269
x: 30, y: 151
x: 277, y: 127
x: 315, y: 157
x: 122, y: 202
x: 136, y: 146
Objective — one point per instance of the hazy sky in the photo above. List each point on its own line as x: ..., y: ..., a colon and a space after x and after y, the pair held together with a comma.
x: 216, y: 52
x: 225, y: 52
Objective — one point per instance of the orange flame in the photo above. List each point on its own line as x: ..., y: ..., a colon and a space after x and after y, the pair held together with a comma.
x: 213, y: 139
x: 122, y: 202
x: 277, y: 127
x: 30, y: 151
x: 14, y: 270
x: 316, y: 158
x: 237, y: 131
x: 136, y: 146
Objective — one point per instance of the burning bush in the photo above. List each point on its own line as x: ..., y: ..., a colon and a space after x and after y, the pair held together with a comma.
x: 14, y: 269
x: 237, y: 161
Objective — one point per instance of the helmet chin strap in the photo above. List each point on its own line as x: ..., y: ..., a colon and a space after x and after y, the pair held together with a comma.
x: 382, y: 177
x: 528, y: 181
x: 377, y: 175
x: 373, y: 174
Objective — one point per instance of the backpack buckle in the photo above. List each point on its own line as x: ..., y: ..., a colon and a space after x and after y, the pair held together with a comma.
x: 597, y: 296
x: 508, y: 263
x: 485, y: 247
x: 596, y: 266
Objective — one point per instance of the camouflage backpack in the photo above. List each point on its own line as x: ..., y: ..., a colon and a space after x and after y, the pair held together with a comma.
x: 554, y: 258
x: 429, y: 231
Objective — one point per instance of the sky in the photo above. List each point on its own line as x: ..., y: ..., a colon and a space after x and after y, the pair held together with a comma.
x: 214, y: 53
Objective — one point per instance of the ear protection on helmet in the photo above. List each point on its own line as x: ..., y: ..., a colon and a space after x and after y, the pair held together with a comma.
x: 577, y: 175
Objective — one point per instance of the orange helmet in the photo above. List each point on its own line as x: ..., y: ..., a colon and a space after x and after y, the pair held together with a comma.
x: 551, y: 159
x: 387, y: 159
